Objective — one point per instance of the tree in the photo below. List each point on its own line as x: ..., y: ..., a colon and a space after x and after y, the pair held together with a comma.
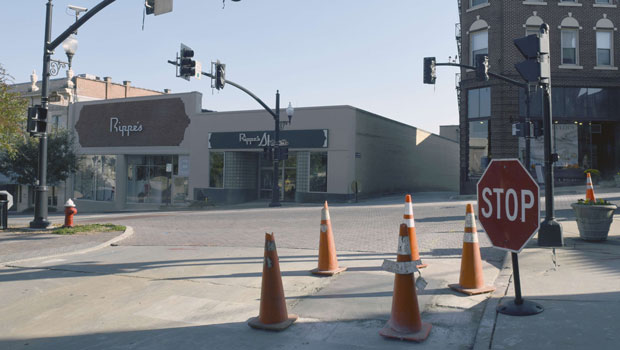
x: 12, y: 113
x: 22, y: 164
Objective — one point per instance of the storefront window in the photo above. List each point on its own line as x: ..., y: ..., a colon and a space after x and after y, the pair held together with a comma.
x: 154, y: 179
x: 570, y: 103
x: 96, y: 179
x: 318, y: 171
x: 216, y: 169
x: 478, y: 147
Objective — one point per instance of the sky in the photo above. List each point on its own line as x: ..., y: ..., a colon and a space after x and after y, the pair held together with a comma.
x: 363, y: 53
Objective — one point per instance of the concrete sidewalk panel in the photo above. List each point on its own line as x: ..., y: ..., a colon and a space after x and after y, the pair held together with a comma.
x: 562, y: 325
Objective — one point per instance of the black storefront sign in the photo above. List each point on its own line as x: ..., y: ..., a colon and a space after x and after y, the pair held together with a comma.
x: 152, y: 122
x: 260, y: 139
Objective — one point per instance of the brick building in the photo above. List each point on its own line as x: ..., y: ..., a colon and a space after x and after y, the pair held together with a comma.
x: 584, y: 77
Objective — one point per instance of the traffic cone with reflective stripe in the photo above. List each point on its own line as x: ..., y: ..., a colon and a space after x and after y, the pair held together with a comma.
x: 405, y: 322
x: 589, y: 189
x: 272, y: 315
x: 409, y: 221
x: 472, y: 279
x: 328, y: 261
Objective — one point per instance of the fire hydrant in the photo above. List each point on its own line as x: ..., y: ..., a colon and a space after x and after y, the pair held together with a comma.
x: 69, y: 212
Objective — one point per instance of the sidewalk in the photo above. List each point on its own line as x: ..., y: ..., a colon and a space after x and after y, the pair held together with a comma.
x: 578, y: 286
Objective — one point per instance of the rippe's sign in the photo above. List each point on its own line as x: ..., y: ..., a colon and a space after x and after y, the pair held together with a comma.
x: 259, y: 139
x: 153, y: 122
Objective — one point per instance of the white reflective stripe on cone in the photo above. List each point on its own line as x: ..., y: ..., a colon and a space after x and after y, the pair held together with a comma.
x: 324, y: 214
x: 469, y: 221
x: 409, y: 222
x: 470, y: 237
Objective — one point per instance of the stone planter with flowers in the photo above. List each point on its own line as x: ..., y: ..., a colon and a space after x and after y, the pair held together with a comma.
x: 594, y: 218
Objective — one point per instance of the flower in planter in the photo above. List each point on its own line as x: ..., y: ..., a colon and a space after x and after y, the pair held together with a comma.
x: 599, y: 201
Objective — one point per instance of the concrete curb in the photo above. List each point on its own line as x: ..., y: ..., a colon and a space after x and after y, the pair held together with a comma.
x: 484, y: 336
x: 128, y: 232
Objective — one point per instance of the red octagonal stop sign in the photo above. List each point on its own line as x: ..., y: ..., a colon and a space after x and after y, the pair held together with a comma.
x: 508, y: 204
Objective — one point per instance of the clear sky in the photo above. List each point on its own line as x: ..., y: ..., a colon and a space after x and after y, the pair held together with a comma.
x: 364, y: 53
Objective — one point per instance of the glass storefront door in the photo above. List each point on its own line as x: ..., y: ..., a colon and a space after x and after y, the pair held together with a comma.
x: 287, y: 180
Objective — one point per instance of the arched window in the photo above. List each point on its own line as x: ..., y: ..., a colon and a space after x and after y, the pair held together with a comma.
x: 478, y: 39
x: 569, y: 29
x: 532, y: 25
x: 604, y: 42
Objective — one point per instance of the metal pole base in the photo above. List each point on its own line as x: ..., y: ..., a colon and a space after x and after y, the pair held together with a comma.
x: 39, y: 223
x: 550, y: 234
x: 526, y: 308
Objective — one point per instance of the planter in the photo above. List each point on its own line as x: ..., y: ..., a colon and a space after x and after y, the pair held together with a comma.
x: 617, y: 180
x: 594, y: 221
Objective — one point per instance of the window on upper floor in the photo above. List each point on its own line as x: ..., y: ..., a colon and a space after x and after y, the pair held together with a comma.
x: 569, y: 46
x: 606, y: 2
x: 532, y: 25
x: 479, y: 45
x: 603, y: 48
x: 479, y: 103
x: 568, y: 0
x: 569, y: 40
x: 604, y: 43
x: 474, y: 3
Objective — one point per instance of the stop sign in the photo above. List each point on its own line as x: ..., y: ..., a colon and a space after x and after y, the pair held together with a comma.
x: 508, y: 204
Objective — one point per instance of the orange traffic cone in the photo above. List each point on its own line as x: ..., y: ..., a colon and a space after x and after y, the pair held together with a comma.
x: 472, y: 279
x: 405, y: 322
x: 408, y: 220
x: 589, y: 189
x: 328, y: 261
x: 273, y: 315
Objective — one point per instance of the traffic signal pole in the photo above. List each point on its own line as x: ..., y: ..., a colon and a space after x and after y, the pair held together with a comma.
x: 550, y: 233
x: 535, y: 69
x: 275, y: 199
x: 40, y: 201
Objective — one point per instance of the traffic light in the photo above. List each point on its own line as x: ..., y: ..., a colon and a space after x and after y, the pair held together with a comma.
x: 482, y: 67
x: 267, y: 155
x: 157, y: 7
x: 429, y: 70
x: 537, y: 128
x: 37, y: 120
x: 535, y: 48
x: 283, y: 153
x: 187, y: 66
x: 522, y: 129
x: 220, y: 75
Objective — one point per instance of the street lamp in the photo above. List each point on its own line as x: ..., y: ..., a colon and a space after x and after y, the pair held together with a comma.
x: 289, y: 112
x: 70, y: 46
x: 275, y: 195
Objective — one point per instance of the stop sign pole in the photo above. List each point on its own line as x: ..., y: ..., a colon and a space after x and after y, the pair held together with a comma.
x: 508, y: 209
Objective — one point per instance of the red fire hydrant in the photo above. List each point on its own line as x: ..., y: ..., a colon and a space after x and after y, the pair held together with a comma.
x: 69, y: 212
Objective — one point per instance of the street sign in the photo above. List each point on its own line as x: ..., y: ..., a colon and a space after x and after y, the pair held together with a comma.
x: 508, y: 204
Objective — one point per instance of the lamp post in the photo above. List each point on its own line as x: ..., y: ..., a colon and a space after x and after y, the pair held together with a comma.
x: 51, y: 67
x: 275, y: 195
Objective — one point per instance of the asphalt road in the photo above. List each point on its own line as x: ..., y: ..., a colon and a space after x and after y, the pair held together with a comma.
x: 369, y: 226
